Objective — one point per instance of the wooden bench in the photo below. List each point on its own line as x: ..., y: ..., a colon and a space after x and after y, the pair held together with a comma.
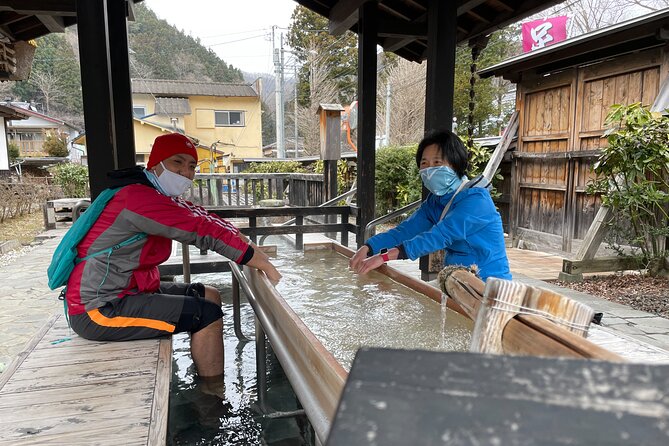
x: 63, y: 389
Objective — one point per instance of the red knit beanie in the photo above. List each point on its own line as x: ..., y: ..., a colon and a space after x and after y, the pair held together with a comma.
x: 167, y: 145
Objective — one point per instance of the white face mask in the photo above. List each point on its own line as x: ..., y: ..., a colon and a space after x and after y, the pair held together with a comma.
x: 171, y: 183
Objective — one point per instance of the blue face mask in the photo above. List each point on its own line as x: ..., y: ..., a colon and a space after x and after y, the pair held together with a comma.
x: 440, y: 180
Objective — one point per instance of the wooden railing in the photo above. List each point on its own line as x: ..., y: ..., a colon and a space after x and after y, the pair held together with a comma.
x: 299, y: 213
x: 30, y: 148
x: 247, y: 189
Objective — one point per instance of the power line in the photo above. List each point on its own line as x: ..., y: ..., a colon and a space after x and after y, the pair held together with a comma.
x: 237, y: 40
x: 235, y: 33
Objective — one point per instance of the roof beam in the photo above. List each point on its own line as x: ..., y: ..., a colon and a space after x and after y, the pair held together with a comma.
x: 343, y: 15
x: 402, y: 29
x: 393, y: 44
x: 53, y: 23
x: 41, y: 7
x: 469, y: 5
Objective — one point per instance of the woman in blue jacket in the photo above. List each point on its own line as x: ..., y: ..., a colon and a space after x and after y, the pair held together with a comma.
x: 471, y: 230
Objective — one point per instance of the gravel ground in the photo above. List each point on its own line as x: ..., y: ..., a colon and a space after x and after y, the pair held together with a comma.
x: 650, y: 294
x: 12, y: 256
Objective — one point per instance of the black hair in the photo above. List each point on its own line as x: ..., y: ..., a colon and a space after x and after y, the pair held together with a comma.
x: 450, y: 147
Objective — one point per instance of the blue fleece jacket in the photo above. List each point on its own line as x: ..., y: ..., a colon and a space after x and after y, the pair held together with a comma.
x: 471, y: 233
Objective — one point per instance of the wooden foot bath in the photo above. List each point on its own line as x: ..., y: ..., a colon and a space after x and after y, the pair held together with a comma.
x: 318, y: 376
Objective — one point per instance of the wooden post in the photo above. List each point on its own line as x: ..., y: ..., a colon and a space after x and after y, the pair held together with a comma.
x: 120, y: 82
x: 105, y: 82
x: 440, y: 79
x: 367, y: 34
x: 330, y: 133
x: 504, y: 299
x: 591, y: 242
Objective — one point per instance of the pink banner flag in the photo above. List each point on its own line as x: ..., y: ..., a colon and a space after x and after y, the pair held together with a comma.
x: 540, y: 33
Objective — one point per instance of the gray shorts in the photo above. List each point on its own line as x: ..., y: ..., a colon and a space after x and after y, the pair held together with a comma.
x: 175, y: 308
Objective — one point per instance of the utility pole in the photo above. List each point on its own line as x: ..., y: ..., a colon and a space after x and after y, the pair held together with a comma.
x: 278, y: 82
x: 295, y: 111
x: 388, y: 97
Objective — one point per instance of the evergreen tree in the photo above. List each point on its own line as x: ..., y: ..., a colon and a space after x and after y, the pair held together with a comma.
x: 490, y: 114
x: 308, y: 35
x: 55, y: 79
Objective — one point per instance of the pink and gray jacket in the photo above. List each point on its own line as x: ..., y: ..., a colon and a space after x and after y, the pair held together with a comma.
x: 138, y: 207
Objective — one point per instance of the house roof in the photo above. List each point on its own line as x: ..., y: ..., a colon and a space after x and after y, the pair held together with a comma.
x: 637, y: 34
x: 11, y: 113
x: 28, y: 113
x: 81, y: 139
x: 30, y: 19
x: 402, y: 25
x: 172, y: 106
x: 178, y: 88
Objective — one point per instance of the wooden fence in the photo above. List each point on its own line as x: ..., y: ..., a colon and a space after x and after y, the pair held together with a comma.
x: 247, y: 189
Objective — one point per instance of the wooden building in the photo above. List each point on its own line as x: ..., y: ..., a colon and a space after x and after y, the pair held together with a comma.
x: 564, y: 93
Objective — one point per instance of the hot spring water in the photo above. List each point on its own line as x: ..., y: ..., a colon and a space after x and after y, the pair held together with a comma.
x: 344, y: 311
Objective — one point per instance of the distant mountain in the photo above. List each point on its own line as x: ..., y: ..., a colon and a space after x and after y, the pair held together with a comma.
x: 161, y: 51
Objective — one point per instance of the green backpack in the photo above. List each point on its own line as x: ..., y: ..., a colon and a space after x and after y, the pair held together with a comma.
x: 65, y: 256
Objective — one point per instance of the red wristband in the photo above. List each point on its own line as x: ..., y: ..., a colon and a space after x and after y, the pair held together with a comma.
x: 384, y: 256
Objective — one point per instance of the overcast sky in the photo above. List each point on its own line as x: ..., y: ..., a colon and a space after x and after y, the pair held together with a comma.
x: 238, y: 31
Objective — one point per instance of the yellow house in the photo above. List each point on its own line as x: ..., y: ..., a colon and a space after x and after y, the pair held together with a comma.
x: 224, y: 118
x: 147, y: 131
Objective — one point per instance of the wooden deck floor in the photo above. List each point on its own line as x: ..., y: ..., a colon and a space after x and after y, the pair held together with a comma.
x: 63, y: 389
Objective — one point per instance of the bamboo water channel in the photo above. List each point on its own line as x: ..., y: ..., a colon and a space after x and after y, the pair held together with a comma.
x: 318, y: 374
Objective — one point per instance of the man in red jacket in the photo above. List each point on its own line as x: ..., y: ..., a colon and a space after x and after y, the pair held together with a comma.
x: 120, y: 297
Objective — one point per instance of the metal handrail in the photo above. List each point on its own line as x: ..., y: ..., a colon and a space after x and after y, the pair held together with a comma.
x: 327, y: 203
x: 377, y: 221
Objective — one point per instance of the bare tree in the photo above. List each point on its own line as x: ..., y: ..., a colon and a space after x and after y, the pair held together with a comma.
x: 407, y: 103
x: 50, y: 85
x: 322, y: 90
x: 187, y: 67
x: 138, y: 69
x: 590, y: 15
x: 5, y: 89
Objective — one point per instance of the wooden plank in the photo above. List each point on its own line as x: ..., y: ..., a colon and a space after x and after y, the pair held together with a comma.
x: 23, y: 354
x: 651, y: 85
x: 565, y: 109
x: 635, y: 86
x: 558, y: 155
x: 542, y: 138
x: 63, y: 376
x: 608, y: 96
x: 97, y: 390
x: 595, y: 235
x: 601, y: 264
x: 622, y: 88
x: 585, y: 105
x: 496, y: 158
x: 123, y: 420
x: 69, y: 390
x: 81, y: 407
x: 100, y: 436
x: 161, y: 395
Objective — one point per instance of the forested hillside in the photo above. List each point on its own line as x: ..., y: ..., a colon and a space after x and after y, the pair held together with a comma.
x: 157, y: 50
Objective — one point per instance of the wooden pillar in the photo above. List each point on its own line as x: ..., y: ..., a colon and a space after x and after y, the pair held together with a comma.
x: 120, y: 82
x: 367, y: 33
x: 440, y: 78
x: 105, y: 80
